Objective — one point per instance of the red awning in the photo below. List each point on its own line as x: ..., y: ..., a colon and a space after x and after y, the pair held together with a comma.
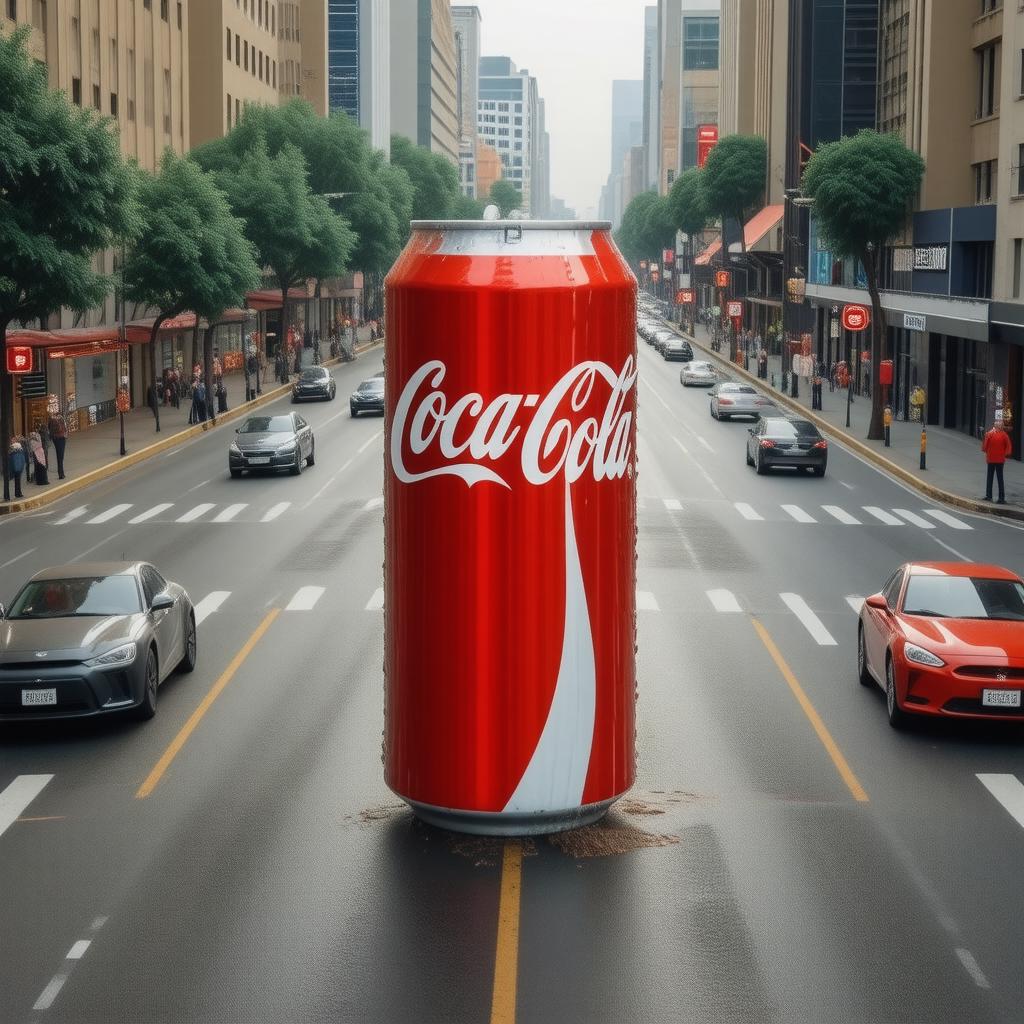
x: 270, y: 298
x: 138, y: 331
x: 754, y: 230
x: 64, y: 337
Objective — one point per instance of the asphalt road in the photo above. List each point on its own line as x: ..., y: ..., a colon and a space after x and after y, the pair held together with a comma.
x: 786, y: 856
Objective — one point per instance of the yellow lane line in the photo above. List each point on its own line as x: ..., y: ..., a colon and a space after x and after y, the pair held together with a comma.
x: 506, y: 960
x: 196, y: 717
x: 820, y: 728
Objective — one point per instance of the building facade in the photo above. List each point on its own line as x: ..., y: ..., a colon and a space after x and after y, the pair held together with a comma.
x: 670, y: 64
x: 700, y: 80
x: 488, y: 168
x: 652, y: 94
x: 424, y: 76
x: 466, y: 23
x: 508, y: 121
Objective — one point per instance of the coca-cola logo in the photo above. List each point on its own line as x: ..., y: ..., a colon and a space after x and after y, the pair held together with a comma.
x: 468, y: 432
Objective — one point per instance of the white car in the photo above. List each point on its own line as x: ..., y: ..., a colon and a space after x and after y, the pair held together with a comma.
x: 700, y: 374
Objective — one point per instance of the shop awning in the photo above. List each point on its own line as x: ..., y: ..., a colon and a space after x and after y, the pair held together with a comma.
x: 753, y: 231
x: 63, y: 337
x: 138, y: 331
x: 270, y: 298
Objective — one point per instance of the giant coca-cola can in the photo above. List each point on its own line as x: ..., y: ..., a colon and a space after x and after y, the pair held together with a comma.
x: 510, y: 525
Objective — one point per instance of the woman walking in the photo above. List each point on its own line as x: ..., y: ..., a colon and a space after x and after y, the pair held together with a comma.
x: 38, y: 452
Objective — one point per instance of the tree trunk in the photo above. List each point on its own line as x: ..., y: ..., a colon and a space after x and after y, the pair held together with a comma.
x: 195, y: 350
x: 6, y: 408
x: 283, y: 340
x: 876, y: 427
x: 211, y: 399
x: 154, y: 377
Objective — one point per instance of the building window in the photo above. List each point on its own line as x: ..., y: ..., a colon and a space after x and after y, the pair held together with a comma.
x: 12, y: 9
x: 261, y: 66
x: 148, y: 4
x: 1020, y: 169
x: 39, y: 15
x: 990, y: 5
x: 76, y: 91
x: 273, y: 21
x: 985, y: 181
x: 167, y: 101
x: 700, y: 43
x: 245, y: 55
x: 96, y: 97
x: 179, y: 15
x: 113, y: 104
x: 238, y: 50
x: 1017, y: 242
x: 229, y: 111
x: 227, y: 36
x: 131, y: 85
x: 238, y: 110
x: 164, y: 11
x: 273, y: 68
x: 987, y: 61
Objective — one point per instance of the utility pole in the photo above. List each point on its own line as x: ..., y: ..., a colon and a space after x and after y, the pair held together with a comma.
x: 792, y: 318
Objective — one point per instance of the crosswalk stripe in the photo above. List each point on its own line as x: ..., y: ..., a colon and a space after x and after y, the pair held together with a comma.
x: 372, y: 504
x: 305, y: 599
x: 271, y: 514
x: 151, y: 513
x: 914, y: 519
x: 723, y: 601
x: 799, y: 607
x: 70, y: 517
x: 842, y: 515
x: 747, y: 511
x: 1007, y: 789
x: 673, y: 504
x: 376, y: 602
x: 855, y: 601
x: 17, y: 796
x: 799, y: 514
x: 882, y: 516
x: 194, y: 513
x: 705, y: 444
x: 209, y: 604
x: 229, y: 513
x: 947, y: 519
x: 646, y: 601
x: 111, y: 513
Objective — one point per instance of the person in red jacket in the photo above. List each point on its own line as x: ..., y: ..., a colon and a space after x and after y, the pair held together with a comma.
x: 997, y: 447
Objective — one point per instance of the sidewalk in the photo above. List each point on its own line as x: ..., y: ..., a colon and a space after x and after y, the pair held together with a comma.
x: 91, y: 454
x: 956, y: 465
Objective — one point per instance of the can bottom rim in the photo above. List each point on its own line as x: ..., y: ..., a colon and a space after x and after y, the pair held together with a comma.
x: 491, y: 823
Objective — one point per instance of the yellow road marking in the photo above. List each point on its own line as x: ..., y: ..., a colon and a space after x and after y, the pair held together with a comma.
x: 196, y: 717
x: 820, y: 728
x: 506, y: 959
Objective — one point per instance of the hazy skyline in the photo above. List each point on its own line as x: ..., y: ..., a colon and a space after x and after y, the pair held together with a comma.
x: 574, y: 48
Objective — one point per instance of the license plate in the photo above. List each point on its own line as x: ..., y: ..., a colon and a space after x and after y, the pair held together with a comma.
x: 261, y: 461
x: 1000, y: 698
x: 32, y: 697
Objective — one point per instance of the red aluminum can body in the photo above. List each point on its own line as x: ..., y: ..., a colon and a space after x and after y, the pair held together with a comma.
x: 510, y: 525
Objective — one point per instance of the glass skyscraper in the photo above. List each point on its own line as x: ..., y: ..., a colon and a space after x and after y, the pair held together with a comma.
x: 343, y: 57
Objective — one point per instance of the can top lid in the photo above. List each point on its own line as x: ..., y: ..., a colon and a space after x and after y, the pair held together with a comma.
x: 524, y: 225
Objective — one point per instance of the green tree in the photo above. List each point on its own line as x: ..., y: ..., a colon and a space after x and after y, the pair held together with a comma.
x: 646, y: 229
x: 192, y: 253
x: 733, y: 178
x: 506, y: 197
x: 863, y: 187
x: 659, y: 227
x: 435, y: 180
x: 65, y: 193
x: 686, y: 203
x: 467, y: 208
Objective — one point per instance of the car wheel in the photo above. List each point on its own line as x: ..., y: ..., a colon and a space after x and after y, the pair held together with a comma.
x: 863, y: 675
x: 724, y: 416
x: 897, y: 716
x: 711, y: 411
x: 759, y: 465
x: 147, y: 709
x: 818, y: 470
x: 236, y: 473
x: 188, y: 660
x: 352, y: 411
x: 296, y: 469
x: 750, y: 461
x: 312, y: 455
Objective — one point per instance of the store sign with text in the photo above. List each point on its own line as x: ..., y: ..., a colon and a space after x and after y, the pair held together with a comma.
x: 856, y: 318
x: 915, y: 322
x: 707, y: 139
x: 19, y: 359
x: 684, y: 297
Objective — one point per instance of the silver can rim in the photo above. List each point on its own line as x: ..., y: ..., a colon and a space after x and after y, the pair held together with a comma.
x: 498, y: 225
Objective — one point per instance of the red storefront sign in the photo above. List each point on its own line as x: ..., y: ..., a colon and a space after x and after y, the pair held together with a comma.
x: 856, y: 318
x: 734, y: 310
x: 668, y: 257
x: 707, y: 139
x: 19, y: 359
x: 684, y: 297
x: 721, y: 278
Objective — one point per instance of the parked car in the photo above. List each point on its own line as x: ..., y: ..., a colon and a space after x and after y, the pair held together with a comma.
x: 728, y: 399
x: 945, y: 639
x: 676, y: 348
x: 781, y: 441
x: 272, y: 442
x: 368, y: 397
x: 93, y: 639
x: 699, y: 373
x: 314, y: 382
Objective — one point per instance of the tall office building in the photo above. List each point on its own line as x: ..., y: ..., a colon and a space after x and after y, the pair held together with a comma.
x: 627, y: 119
x: 358, y: 65
x: 424, y: 76
x: 652, y: 95
x: 540, y: 198
x: 466, y: 23
x: 700, y: 83
x: 670, y: 40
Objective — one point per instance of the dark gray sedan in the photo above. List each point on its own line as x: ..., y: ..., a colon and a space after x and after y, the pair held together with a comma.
x: 368, y: 397
x: 272, y: 442
x: 314, y: 382
x: 784, y: 441
x: 85, y: 640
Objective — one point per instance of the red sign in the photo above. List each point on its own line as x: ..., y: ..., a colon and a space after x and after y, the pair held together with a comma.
x: 734, y: 310
x: 856, y: 318
x: 684, y: 297
x: 885, y: 371
x: 707, y: 139
x: 668, y: 257
x: 721, y: 278
x: 19, y: 359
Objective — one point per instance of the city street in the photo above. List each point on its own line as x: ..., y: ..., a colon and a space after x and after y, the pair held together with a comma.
x: 785, y: 856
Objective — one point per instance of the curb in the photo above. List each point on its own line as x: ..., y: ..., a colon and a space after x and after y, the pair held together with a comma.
x: 172, y: 441
x: 865, y: 450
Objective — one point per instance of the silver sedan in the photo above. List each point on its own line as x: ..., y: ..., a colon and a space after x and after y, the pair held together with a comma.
x: 698, y: 373
x: 729, y: 399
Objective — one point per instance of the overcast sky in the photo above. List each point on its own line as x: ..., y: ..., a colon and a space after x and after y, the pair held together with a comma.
x: 574, y: 48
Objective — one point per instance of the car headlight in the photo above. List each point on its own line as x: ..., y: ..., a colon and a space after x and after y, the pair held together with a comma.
x: 233, y: 447
x: 123, y: 655
x: 286, y: 449
x: 921, y: 656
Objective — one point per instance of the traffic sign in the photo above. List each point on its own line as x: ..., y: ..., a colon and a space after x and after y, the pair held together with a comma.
x: 19, y: 359
x: 734, y: 309
x: 684, y: 297
x: 856, y: 318
x: 721, y: 278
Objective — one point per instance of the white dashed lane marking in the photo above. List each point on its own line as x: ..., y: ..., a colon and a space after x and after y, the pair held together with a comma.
x: 946, y: 519
x: 110, y: 513
x: 723, y: 601
x: 70, y: 517
x: 855, y: 601
x: 673, y: 504
x: 1007, y: 789
x: 799, y: 607
x: 210, y: 604
x: 646, y: 601
x: 305, y: 599
x: 194, y: 513
x: 842, y: 515
x: 799, y: 514
x: 373, y: 503
x: 151, y: 513
x: 748, y: 512
x: 376, y: 602
x: 17, y: 796
x: 276, y: 511
x: 914, y: 519
x: 882, y: 516
x: 229, y: 513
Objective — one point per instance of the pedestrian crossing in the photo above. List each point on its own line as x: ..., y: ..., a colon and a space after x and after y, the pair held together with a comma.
x: 172, y: 512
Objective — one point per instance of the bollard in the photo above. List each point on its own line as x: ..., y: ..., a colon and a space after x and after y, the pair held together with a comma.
x: 924, y: 446
x: 888, y: 424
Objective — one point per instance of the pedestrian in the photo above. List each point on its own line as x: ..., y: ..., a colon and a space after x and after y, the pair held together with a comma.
x: 44, y: 439
x: 58, y: 429
x: 16, y: 465
x: 997, y: 447
x: 38, y: 453
x: 199, y: 401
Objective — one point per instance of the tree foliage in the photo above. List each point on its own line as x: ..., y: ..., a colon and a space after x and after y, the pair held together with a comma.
x: 65, y: 193
x: 468, y: 208
x: 733, y: 178
x: 863, y: 187
x: 506, y: 197
x: 687, y: 203
x: 435, y: 180
x: 647, y: 228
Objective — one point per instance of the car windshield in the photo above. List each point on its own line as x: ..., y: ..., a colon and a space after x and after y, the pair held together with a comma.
x: 791, y: 428
x: 738, y: 389
x: 312, y: 375
x: 87, y: 595
x: 964, y: 597
x: 267, y: 424
x: 375, y: 384
x: 700, y: 367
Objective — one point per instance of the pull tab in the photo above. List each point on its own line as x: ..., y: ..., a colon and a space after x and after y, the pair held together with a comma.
x: 513, y: 234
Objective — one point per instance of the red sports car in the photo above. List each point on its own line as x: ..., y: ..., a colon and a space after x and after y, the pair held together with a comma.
x: 945, y: 639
